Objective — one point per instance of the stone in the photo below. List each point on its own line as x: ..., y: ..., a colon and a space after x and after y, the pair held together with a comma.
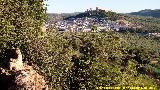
x: 20, y: 76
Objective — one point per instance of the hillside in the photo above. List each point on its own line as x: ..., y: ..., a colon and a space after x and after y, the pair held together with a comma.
x: 96, y: 14
x: 150, y: 24
x: 106, y: 58
x: 35, y: 59
x: 89, y: 60
x: 147, y: 12
x: 64, y: 15
x: 53, y: 17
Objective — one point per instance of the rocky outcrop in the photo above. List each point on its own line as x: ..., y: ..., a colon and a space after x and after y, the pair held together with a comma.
x: 20, y: 76
x: 15, y: 62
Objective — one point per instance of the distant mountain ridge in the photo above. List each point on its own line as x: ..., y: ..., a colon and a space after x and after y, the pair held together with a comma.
x: 63, y: 14
x: 147, y: 12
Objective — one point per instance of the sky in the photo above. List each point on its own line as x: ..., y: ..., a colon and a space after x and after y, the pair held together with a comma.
x: 120, y: 6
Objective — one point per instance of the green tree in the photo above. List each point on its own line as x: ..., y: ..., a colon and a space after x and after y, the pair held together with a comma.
x: 20, y: 23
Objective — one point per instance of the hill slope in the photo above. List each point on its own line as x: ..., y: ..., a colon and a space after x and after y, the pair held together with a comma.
x: 147, y: 12
x: 96, y: 14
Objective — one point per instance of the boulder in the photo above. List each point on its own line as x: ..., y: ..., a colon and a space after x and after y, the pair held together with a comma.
x: 20, y: 76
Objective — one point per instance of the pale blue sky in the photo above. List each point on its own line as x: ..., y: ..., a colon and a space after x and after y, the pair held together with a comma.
x: 122, y: 6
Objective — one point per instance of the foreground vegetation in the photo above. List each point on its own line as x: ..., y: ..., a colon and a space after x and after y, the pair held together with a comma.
x: 86, y: 60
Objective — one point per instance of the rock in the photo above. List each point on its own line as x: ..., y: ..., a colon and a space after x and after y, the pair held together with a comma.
x: 29, y: 79
x: 16, y: 62
x: 20, y: 76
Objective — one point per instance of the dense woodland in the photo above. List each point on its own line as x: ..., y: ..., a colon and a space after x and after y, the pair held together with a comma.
x: 78, y: 60
x: 150, y: 24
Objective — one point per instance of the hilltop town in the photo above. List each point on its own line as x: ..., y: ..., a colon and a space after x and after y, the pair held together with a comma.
x: 97, y: 20
x: 87, y: 23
